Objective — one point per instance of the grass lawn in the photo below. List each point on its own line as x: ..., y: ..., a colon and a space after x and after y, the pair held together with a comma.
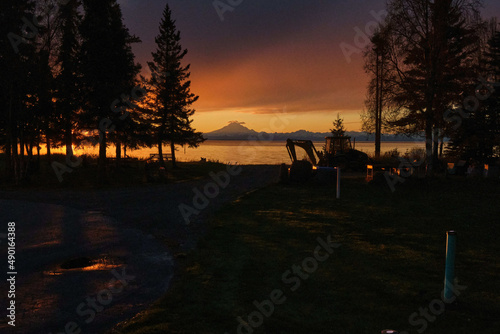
x: 388, y: 268
x: 85, y: 174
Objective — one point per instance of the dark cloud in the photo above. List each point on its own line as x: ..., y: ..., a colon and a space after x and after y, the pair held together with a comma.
x: 266, y: 54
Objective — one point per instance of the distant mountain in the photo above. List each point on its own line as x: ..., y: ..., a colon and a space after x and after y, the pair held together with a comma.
x: 236, y: 131
x: 231, y: 130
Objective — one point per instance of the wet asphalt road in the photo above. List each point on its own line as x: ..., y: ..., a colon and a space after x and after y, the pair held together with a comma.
x: 118, y: 235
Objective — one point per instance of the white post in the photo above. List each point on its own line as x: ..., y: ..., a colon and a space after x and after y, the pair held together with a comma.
x: 338, y: 182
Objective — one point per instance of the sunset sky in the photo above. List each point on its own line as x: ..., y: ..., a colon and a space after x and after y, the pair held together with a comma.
x: 268, y: 56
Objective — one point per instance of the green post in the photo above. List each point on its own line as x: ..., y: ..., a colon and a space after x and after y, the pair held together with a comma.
x: 449, y: 273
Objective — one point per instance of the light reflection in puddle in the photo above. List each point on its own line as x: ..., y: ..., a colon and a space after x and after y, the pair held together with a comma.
x: 101, y: 266
x: 84, y: 264
x: 43, y: 244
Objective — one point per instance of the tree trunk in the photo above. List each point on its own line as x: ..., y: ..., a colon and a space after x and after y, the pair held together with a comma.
x: 428, y: 142
x: 441, y: 146
x: 68, y: 137
x: 118, y: 151
x: 49, y: 155
x: 9, y: 147
x: 38, y: 154
x: 380, y: 102
x: 8, y: 159
x: 21, y: 156
x: 29, y: 149
x: 21, y: 144
x: 429, y: 126
x: 15, y: 157
x: 172, y: 150
x: 429, y: 111
x: 29, y: 152
x: 377, y: 106
x: 160, y: 153
x: 31, y: 160
x: 435, y: 148
x: 102, y: 177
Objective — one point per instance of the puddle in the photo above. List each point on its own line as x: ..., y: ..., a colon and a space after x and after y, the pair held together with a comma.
x: 104, y: 262
x: 77, y: 263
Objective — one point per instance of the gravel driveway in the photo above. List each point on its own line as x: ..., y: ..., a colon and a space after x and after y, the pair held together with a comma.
x: 86, y: 260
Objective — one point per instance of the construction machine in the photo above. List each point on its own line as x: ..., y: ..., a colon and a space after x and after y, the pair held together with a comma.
x: 301, y: 169
x: 339, y: 152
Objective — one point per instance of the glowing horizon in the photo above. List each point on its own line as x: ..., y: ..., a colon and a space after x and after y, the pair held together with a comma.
x: 292, y: 58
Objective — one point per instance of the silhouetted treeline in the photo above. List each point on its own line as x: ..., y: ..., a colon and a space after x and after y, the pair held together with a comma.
x: 69, y: 78
x: 435, y: 69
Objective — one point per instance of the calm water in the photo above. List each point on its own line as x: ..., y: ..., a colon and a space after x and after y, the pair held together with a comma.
x: 249, y: 153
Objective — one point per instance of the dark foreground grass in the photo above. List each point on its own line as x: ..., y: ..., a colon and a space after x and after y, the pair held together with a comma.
x: 390, y: 263
x: 85, y: 174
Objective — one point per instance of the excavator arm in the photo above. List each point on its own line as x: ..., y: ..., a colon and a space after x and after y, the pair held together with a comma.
x: 307, y: 146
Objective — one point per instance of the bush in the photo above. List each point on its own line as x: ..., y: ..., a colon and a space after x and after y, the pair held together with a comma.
x: 415, y: 154
x: 392, y: 153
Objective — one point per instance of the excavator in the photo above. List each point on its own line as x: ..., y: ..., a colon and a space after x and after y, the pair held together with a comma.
x: 339, y: 152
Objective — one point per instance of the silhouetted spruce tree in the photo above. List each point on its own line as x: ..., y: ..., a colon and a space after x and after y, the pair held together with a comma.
x: 148, y: 115
x: 43, y: 110
x: 434, y: 46
x: 170, y: 83
x: 338, y: 127
x: 133, y: 130
x: 123, y: 115
x: 493, y: 56
x: 479, y: 133
x: 48, y: 45
x: 16, y: 57
x: 493, y: 102
x: 108, y: 70
x: 68, y: 81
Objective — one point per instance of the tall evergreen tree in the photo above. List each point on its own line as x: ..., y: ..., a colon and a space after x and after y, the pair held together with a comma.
x: 434, y: 50
x: 68, y: 80
x: 493, y: 103
x: 121, y: 117
x: 16, y: 57
x: 170, y: 83
x: 108, y: 70
x: 493, y: 57
x: 479, y: 133
x: 135, y: 127
x: 338, y: 129
x: 48, y: 46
